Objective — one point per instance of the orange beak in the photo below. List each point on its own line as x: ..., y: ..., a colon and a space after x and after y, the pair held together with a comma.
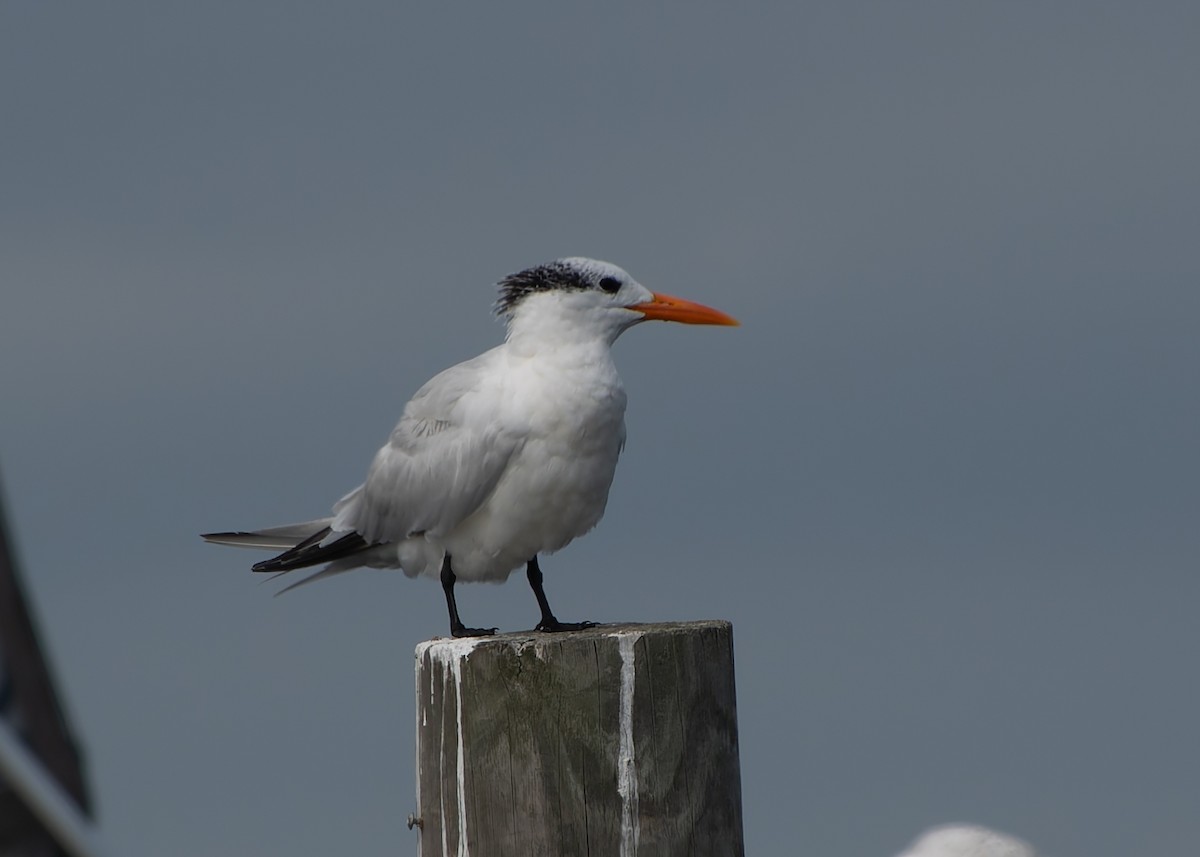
x: 668, y: 308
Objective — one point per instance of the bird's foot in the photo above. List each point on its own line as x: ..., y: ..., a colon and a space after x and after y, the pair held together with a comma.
x: 461, y: 630
x: 552, y: 625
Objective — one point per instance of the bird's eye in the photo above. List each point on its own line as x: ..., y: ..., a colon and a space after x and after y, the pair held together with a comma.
x: 610, y: 284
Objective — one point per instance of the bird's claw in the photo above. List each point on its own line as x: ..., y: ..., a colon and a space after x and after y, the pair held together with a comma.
x: 552, y: 626
x: 463, y: 631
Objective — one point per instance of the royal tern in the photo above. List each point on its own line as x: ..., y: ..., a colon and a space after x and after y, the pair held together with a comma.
x: 501, y: 458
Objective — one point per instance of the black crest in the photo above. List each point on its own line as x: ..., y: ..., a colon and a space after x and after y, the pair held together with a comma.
x: 559, y: 274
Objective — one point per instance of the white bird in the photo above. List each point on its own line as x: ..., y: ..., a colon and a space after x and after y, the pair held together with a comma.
x: 502, y: 457
x: 967, y: 840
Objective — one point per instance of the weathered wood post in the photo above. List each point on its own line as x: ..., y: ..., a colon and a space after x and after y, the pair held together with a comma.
x: 618, y: 740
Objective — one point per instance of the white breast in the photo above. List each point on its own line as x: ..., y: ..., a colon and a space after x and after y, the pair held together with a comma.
x: 570, y: 413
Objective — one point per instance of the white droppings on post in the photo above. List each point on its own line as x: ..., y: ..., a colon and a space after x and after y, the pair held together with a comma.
x: 417, y: 690
x: 449, y: 655
x: 627, y: 784
x: 463, y: 848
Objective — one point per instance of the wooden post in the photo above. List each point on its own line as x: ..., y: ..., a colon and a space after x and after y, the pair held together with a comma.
x: 618, y: 740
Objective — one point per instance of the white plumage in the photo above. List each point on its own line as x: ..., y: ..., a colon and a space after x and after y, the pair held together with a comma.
x: 499, y: 458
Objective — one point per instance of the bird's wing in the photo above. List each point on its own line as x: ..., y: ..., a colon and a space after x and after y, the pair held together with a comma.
x: 441, y: 462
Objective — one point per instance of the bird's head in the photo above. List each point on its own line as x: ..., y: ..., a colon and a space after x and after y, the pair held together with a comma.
x: 577, y: 296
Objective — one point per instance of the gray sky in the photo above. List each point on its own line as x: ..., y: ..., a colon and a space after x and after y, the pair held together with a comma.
x: 944, y: 480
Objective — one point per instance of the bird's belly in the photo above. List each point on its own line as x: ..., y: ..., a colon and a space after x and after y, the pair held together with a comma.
x: 549, y: 495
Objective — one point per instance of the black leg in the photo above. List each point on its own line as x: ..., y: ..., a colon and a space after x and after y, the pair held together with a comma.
x: 457, y: 629
x: 548, y: 623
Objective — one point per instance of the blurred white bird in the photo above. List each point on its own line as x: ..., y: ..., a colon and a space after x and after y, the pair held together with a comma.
x: 501, y: 458
x: 967, y: 840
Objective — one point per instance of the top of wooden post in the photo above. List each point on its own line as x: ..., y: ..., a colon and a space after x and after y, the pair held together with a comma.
x: 442, y: 647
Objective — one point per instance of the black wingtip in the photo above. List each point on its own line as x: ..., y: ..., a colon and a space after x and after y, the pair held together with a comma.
x: 312, y: 552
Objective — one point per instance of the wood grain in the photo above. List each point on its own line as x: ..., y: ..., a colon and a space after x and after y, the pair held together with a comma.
x: 520, y: 740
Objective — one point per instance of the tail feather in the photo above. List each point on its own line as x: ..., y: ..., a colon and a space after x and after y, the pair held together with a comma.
x: 335, y: 567
x: 272, y: 538
x: 312, y: 551
x: 303, y: 545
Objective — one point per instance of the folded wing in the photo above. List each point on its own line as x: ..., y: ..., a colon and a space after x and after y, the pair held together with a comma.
x: 440, y: 464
